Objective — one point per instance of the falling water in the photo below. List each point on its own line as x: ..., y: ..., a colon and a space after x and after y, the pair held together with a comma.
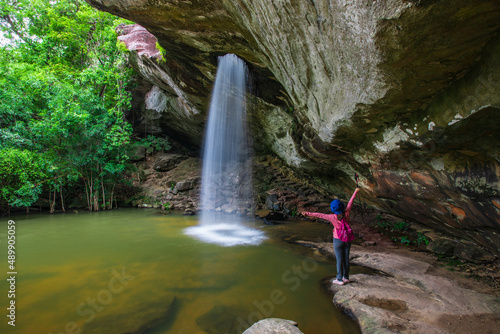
x: 226, y: 184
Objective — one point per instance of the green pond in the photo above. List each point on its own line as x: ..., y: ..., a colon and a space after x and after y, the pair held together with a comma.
x: 136, y: 271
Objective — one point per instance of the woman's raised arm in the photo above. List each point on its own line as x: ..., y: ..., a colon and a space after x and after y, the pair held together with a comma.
x: 351, y: 201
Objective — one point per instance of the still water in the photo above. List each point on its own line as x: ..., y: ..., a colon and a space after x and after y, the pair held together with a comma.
x: 135, y: 271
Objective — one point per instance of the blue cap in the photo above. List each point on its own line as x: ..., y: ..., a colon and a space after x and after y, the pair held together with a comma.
x: 337, y: 207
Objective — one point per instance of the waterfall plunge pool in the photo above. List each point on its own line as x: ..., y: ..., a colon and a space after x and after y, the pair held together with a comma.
x: 136, y: 271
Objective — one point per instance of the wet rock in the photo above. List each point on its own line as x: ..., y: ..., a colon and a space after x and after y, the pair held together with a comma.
x: 279, y: 216
x: 140, y: 318
x: 442, y: 246
x: 274, y: 326
x: 270, y: 222
x: 189, y: 212
x: 223, y: 319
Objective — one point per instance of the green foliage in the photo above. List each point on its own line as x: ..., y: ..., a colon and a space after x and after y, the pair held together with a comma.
x: 401, y: 232
x: 383, y: 225
x: 155, y: 144
x: 21, y: 171
x: 421, y: 239
x: 162, y: 52
x: 404, y: 240
x: 400, y: 226
x: 63, y: 90
x: 122, y: 47
x: 454, y: 262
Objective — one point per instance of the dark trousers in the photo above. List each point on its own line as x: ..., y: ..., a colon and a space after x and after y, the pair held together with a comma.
x: 342, y: 250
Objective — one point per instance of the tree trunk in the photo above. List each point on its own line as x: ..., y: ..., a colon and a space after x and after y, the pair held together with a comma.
x: 110, y: 206
x: 96, y: 202
x: 62, y: 200
x: 112, y: 196
x: 87, y: 194
x: 91, y: 191
x: 52, y: 204
x: 103, y: 195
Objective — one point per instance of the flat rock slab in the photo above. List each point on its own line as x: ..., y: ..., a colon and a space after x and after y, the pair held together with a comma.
x: 274, y: 326
x: 406, y: 296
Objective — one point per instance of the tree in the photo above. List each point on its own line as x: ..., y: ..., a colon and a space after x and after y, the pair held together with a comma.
x: 63, y: 91
x: 22, y: 172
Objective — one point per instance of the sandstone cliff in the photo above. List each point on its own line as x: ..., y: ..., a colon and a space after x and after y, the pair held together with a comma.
x: 404, y: 93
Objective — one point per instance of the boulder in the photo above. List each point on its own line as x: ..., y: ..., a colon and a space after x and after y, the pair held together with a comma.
x: 274, y: 326
x: 167, y: 161
x: 471, y: 252
x: 442, y: 246
x: 183, y: 186
x: 222, y: 319
x: 137, y: 153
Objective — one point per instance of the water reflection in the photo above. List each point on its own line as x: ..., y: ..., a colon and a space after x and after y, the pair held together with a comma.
x: 133, y: 271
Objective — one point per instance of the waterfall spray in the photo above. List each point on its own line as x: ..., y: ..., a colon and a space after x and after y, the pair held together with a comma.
x: 226, y: 184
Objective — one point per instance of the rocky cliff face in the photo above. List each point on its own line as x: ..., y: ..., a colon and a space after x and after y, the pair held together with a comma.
x: 404, y: 93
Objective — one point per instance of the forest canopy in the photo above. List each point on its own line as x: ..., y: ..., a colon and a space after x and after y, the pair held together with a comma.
x: 63, y: 91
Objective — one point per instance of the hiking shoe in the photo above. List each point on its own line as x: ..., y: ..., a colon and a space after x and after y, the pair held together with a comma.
x: 339, y: 282
x: 346, y: 280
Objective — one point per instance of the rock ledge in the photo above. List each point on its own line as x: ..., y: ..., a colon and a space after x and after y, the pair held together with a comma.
x: 410, y: 295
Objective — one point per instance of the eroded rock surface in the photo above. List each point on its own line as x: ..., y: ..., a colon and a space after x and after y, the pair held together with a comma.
x: 408, y: 296
x: 403, y: 93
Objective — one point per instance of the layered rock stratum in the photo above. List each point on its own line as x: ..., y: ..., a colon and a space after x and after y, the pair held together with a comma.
x: 403, y: 93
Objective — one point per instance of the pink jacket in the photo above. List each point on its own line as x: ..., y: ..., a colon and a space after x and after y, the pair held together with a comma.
x: 332, y: 217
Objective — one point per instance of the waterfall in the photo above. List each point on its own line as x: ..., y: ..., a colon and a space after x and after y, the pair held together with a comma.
x: 226, y: 183
x: 226, y: 153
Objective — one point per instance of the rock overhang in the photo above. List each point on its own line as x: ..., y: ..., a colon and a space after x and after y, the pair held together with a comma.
x: 387, y: 90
